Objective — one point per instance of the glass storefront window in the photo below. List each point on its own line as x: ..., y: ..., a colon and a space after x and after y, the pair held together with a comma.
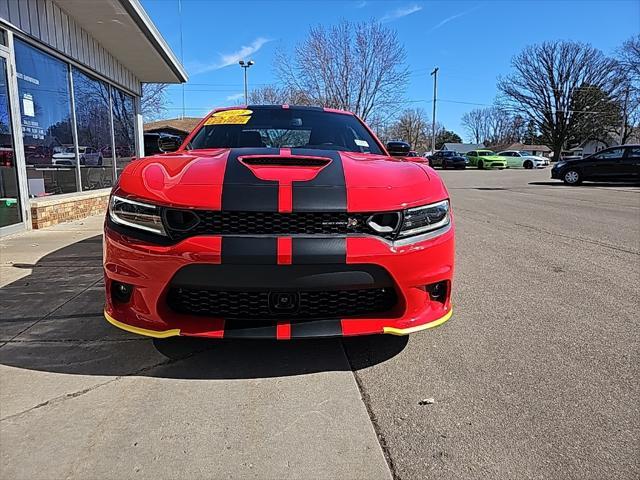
x: 45, y: 108
x: 123, y: 127
x: 93, y: 123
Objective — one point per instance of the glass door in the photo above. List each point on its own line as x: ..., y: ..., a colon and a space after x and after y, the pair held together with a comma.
x: 10, y: 208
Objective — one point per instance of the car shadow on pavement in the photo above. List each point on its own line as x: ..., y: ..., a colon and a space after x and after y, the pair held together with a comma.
x: 51, y: 320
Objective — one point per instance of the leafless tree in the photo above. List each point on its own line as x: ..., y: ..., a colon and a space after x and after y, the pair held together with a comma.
x: 544, y: 83
x: 475, y: 123
x: 273, y: 95
x: 494, y: 126
x: 352, y: 66
x: 412, y: 127
x: 153, y: 102
x: 628, y: 57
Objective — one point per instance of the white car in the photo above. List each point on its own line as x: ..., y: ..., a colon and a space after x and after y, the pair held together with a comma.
x: 523, y: 159
x: 67, y: 156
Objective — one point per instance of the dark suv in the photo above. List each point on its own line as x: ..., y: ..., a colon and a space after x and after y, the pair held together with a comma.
x: 448, y: 159
x: 618, y: 164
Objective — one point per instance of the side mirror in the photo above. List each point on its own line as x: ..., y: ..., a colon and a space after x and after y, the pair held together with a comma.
x: 398, y: 149
x: 169, y: 144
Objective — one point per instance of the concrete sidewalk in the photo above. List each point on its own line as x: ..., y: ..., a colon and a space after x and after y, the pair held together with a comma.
x: 81, y: 399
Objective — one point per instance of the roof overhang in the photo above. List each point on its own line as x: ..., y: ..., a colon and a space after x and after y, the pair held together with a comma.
x: 126, y: 31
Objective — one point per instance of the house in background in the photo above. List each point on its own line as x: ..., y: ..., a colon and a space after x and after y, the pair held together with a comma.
x: 71, y: 73
x: 173, y: 126
x: 541, y: 150
x: 462, y: 147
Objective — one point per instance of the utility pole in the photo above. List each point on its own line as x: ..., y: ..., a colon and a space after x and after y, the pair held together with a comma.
x: 433, y: 118
x: 245, y: 66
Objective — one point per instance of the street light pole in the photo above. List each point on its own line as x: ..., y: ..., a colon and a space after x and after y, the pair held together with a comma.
x: 245, y: 66
x: 433, y: 118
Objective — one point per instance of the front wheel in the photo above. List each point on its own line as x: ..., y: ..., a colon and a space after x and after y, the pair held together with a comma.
x: 480, y: 165
x: 572, y: 177
x: 528, y: 165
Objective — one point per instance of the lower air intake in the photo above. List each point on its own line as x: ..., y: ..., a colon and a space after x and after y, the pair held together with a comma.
x: 260, y: 305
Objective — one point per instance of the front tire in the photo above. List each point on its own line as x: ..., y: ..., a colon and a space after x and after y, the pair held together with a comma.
x: 572, y: 177
x: 528, y: 165
x: 480, y: 165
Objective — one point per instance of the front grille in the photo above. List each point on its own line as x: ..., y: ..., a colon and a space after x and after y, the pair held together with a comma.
x: 257, y: 305
x: 207, y: 222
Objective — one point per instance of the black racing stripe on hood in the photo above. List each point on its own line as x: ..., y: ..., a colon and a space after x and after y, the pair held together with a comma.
x: 242, y: 191
x: 249, y: 250
x: 318, y: 250
x: 327, y: 192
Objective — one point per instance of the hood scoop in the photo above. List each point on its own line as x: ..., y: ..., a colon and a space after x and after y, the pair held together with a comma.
x: 285, y: 168
x: 291, y: 161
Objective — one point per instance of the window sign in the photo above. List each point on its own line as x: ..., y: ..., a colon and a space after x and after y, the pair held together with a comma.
x: 45, y: 108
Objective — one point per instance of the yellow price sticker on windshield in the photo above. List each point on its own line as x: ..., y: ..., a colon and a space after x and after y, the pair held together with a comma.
x: 230, y: 117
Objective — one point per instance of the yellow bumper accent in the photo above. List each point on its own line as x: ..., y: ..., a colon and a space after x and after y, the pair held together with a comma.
x: 407, y: 331
x: 142, y: 331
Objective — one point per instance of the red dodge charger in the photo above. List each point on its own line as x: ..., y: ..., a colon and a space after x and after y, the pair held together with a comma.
x: 278, y: 222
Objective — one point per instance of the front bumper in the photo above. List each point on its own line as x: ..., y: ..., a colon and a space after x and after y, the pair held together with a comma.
x: 150, y: 269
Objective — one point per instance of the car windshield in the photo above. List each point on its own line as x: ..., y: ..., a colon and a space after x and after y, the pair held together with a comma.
x: 486, y: 153
x: 285, y: 128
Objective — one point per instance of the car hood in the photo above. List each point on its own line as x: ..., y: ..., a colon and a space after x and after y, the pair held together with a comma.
x: 303, y: 179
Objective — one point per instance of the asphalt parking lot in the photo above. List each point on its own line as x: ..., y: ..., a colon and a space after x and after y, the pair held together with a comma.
x: 536, y: 375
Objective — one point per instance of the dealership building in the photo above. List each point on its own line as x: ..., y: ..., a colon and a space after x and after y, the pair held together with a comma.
x: 71, y: 73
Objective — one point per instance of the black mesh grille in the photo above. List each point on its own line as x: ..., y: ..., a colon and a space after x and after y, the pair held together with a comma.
x: 257, y: 305
x: 271, y: 223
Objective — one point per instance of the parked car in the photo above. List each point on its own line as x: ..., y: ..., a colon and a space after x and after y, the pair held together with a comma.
x: 403, y: 150
x: 523, y: 159
x: 620, y: 163
x: 278, y: 223
x: 67, y: 156
x: 153, y: 142
x: 486, y: 159
x: 448, y: 159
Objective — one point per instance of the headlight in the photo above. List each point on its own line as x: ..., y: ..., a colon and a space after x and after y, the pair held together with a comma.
x: 561, y: 163
x: 425, y: 219
x: 142, y: 216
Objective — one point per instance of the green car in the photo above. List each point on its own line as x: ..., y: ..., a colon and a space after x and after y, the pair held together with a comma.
x: 486, y: 159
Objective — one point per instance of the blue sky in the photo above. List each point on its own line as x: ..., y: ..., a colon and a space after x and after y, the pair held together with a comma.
x: 472, y: 42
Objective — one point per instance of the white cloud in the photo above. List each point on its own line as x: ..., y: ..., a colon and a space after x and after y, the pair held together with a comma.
x: 361, y: 4
x: 400, y: 12
x: 453, y: 17
x: 231, y: 58
x: 235, y: 96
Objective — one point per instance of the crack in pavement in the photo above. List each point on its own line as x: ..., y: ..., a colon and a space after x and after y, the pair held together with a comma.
x: 67, y: 396
x: 364, y: 396
x: 53, y: 311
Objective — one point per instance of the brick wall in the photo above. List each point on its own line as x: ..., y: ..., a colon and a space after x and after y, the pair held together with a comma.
x: 65, y: 208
